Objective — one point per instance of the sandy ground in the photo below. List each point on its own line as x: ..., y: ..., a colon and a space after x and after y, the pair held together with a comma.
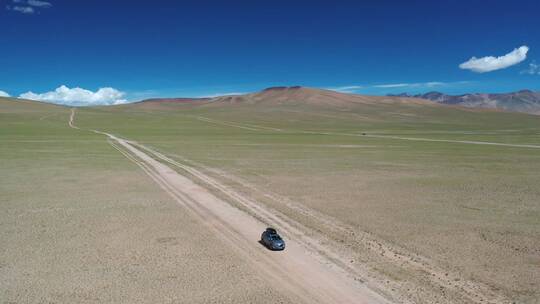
x: 431, y: 283
x: 454, y: 286
x: 90, y: 227
x: 380, y: 225
x: 306, y: 270
x: 433, y: 215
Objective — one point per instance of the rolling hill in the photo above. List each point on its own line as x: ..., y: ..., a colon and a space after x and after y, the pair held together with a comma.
x: 292, y: 95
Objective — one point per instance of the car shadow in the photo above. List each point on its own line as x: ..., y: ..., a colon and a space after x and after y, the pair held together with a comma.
x: 264, y: 245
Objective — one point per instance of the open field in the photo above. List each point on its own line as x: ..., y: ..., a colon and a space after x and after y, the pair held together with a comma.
x: 80, y: 223
x: 470, y: 209
x: 419, y: 208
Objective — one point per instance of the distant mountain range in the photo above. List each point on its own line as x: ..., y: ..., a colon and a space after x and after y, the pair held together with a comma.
x: 525, y: 101
x: 293, y: 95
x: 522, y: 101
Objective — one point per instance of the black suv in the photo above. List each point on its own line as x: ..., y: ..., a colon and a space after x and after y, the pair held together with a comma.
x: 271, y: 239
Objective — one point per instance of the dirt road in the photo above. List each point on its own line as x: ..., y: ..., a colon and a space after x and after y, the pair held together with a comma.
x: 71, y: 118
x: 253, y: 127
x: 301, y: 270
x: 470, y: 142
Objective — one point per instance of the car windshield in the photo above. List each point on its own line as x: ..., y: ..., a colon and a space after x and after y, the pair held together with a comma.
x: 275, y: 237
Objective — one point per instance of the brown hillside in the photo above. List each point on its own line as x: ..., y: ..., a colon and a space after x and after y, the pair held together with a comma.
x: 311, y: 96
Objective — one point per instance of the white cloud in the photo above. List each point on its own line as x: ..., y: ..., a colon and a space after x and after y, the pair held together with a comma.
x: 4, y: 94
x: 534, y: 69
x: 38, y: 3
x: 411, y: 85
x: 434, y: 84
x: 78, y: 96
x: 392, y: 85
x: 346, y: 89
x: 356, y: 88
x: 395, y: 86
x: 491, y: 63
x: 24, y: 9
x: 28, y: 6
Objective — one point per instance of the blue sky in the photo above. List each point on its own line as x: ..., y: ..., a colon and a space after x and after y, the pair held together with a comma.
x: 196, y: 48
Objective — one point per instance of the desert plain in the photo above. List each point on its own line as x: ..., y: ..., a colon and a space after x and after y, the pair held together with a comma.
x: 382, y: 200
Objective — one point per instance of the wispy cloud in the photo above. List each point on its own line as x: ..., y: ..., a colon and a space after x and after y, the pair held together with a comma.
x: 414, y: 85
x: 411, y: 85
x: 4, y: 94
x: 28, y: 6
x: 491, y: 63
x: 78, y: 96
x: 346, y: 89
x: 221, y: 94
x: 533, y: 69
x: 392, y: 85
x: 37, y: 3
x: 23, y: 9
x: 144, y: 94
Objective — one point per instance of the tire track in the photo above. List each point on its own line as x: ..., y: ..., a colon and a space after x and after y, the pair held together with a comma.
x: 253, y: 127
x: 310, y: 271
x: 302, y: 273
x: 471, y: 292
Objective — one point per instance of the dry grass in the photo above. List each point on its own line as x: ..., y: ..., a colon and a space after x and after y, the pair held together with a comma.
x: 431, y: 221
x: 470, y: 212
x: 82, y: 224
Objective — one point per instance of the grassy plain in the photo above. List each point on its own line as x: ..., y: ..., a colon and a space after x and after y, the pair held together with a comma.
x: 470, y: 209
x: 79, y: 223
x: 83, y: 224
